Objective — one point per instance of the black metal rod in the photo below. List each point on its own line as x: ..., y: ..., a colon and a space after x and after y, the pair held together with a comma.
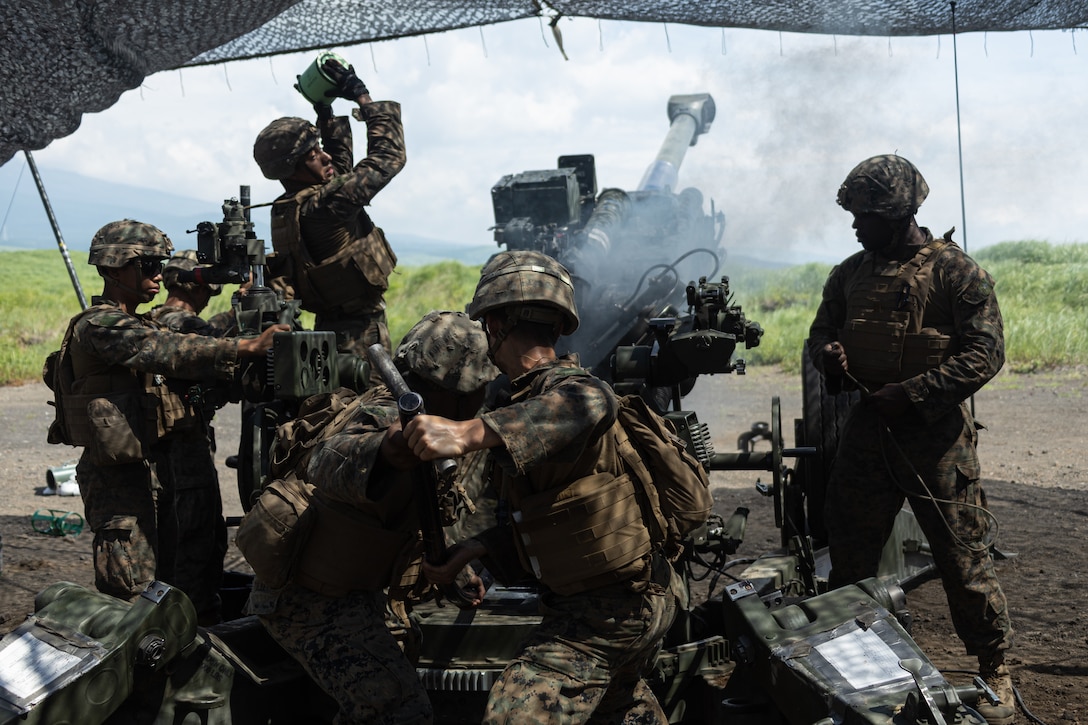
x: 56, y: 230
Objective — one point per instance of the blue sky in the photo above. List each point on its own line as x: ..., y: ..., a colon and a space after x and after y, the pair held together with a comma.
x: 795, y: 113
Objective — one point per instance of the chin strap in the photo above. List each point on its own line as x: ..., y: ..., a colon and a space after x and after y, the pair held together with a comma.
x: 135, y: 291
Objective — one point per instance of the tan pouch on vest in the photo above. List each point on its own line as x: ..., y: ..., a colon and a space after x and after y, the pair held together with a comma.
x: 925, y: 351
x: 342, y: 278
x: 347, y: 552
x: 113, y: 427
x: 272, y: 533
x: 875, y: 348
x: 575, y: 536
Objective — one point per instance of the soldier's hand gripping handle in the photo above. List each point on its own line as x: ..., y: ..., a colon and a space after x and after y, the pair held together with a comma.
x: 257, y: 346
x: 348, y: 85
x: 410, y: 405
x: 834, y: 359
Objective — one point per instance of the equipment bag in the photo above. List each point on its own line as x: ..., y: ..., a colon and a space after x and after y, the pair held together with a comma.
x: 319, y: 417
x: 274, y: 531
x: 273, y: 535
x: 675, y: 484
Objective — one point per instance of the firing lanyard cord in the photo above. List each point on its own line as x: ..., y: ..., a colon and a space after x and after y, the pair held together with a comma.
x: 886, y: 435
x: 959, y: 126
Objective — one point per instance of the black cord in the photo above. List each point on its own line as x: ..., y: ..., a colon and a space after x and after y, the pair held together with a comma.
x: 885, y: 431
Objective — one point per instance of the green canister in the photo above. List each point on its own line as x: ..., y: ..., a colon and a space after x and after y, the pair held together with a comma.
x: 314, y: 81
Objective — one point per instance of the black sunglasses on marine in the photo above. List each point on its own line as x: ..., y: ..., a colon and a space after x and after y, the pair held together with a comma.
x: 149, y: 266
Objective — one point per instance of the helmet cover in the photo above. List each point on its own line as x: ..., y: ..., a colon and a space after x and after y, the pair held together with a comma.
x: 120, y: 242
x: 888, y: 186
x: 447, y: 349
x: 538, y: 286
x: 282, y: 144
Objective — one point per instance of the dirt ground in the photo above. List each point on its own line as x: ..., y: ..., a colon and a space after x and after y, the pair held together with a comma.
x: 1034, y: 465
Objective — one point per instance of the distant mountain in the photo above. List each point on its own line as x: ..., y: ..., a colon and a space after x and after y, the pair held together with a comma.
x: 82, y: 205
x: 415, y: 251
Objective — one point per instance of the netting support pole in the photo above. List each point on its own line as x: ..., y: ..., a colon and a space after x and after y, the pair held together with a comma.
x: 56, y: 230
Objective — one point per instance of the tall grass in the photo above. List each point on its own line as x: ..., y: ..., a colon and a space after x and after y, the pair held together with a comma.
x: 37, y: 299
x: 415, y: 291
x: 1041, y: 288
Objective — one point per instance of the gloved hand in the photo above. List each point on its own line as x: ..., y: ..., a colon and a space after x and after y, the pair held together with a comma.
x: 324, y: 111
x: 834, y: 359
x: 348, y: 85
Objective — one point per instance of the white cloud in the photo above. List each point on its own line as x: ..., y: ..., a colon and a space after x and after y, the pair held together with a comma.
x: 795, y: 113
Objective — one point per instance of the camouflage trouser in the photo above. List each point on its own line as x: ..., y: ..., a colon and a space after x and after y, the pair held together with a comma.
x: 585, y: 661
x: 865, y: 493
x: 161, y: 519
x: 346, y: 647
x: 186, y: 467
x: 120, y: 506
x: 356, y: 334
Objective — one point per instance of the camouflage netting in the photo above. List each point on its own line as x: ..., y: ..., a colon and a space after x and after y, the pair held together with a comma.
x: 62, y: 58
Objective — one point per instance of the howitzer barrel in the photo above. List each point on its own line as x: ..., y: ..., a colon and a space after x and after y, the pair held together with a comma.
x: 608, y: 216
x: 690, y: 116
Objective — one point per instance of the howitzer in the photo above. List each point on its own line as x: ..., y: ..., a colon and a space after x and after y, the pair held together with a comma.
x: 425, y: 477
x: 630, y: 253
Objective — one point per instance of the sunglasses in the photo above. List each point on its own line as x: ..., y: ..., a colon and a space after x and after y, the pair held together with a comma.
x: 150, y: 267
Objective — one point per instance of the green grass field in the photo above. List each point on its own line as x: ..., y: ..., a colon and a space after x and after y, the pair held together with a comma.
x: 1041, y: 288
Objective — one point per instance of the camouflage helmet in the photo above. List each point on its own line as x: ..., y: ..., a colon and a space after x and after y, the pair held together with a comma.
x: 536, y: 286
x: 447, y: 349
x: 118, y: 243
x: 282, y: 144
x: 888, y: 186
x: 185, y: 261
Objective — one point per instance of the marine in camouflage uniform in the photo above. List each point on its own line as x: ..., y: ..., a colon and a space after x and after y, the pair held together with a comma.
x: 334, y: 621
x: 915, y: 323
x: 186, y: 300
x: 122, y: 391
x: 603, y: 617
x: 328, y: 252
x: 198, y: 504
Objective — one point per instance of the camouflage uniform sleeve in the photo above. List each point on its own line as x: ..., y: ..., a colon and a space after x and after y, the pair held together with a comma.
x: 180, y: 320
x: 573, y: 411
x: 341, y: 466
x: 385, y: 157
x: 224, y: 324
x: 336, y: 141
x: 980, y: 333
x: 830, y: 316
x: 122, y: 339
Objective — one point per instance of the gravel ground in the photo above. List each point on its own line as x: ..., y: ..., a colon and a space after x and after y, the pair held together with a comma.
x: 1034, y: 465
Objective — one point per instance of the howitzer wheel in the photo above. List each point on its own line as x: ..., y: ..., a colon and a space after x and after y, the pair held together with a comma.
x: 824, y: 415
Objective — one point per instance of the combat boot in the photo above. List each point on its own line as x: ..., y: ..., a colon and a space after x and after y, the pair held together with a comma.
x: 995, y: 673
